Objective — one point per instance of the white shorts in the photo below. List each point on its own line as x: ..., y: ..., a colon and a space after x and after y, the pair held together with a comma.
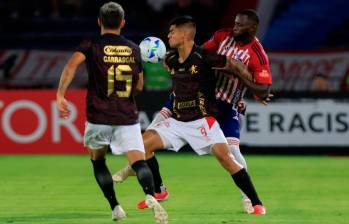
x: 121, y: 138
x: 200, y: 134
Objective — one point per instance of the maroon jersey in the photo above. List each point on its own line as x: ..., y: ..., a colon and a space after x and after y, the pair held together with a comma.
x: 193, y: 83
x: 113, y: 65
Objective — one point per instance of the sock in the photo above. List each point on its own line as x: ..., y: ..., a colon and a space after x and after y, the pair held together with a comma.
x: 243, y: 181
x: 105, y: 181
x: 144, y: 176
x: 235, y: 150
x: 154, y: 167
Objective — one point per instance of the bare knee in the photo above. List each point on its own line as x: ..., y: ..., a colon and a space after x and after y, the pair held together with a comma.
x: 97, y: 154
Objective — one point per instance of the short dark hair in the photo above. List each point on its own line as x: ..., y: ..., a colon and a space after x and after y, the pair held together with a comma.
x: 251, y: 14
x: 111, y: 14
x: 183, y: 20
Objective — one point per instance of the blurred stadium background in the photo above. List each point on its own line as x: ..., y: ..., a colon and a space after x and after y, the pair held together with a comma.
x: 307, y: 42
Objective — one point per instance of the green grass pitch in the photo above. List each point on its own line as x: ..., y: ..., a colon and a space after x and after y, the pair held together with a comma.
x: 61, y: 189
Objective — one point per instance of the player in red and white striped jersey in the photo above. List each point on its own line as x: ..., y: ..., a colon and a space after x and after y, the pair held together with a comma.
x: 239, y: 43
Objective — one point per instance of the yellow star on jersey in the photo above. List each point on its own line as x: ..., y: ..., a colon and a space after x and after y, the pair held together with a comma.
x: 193, y: 69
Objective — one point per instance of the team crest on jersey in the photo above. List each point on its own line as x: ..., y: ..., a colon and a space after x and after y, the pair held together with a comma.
x: 193, y: 69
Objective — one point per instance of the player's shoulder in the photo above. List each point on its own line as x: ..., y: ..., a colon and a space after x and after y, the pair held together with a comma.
x: 131, y: 43
x: 259, y: 51
x: 171, y: 55
x: 257, y: 46
x: 224, y: 32
x: 201, y: 52
x: 87, y: 42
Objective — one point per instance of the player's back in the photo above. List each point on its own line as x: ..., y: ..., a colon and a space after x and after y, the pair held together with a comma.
x: 113, y: 65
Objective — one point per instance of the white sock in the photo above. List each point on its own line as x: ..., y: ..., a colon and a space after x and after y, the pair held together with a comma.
x: 235, y: 150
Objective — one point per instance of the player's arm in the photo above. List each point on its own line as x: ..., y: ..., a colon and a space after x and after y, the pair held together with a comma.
x: 213, y: 43
x: 165, y: 112
x: 140, y: 83
x: 66, y: 77
x: 236, y: 68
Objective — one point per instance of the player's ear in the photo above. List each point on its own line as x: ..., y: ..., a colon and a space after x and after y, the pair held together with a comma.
x: 99, y: 22
x: 122, y: 24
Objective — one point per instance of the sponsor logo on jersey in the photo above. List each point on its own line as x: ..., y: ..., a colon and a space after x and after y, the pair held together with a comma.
x: 117, y: 50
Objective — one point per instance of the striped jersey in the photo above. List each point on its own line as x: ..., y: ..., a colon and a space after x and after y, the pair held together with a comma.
x: 231, y: 89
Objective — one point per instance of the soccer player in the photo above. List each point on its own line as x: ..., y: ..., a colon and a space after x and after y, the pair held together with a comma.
x: 115, y: 74
x: 194, y: 108
x: 239, y: 43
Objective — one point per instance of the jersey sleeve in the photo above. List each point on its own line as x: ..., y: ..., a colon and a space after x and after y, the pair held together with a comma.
x: 260, y: 69
x: 170, y: 59
x: 169, y: 102
x: 213, y: 59
x: 213, y: 43
x: 138, y: 58
x: 84, y: 47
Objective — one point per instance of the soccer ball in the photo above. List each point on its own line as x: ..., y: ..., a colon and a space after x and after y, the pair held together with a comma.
x: 153, y: 50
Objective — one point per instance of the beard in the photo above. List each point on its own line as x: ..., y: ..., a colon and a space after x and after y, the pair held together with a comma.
x: 242, y: 37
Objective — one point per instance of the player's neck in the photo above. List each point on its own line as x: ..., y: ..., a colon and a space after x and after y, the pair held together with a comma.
x: 245, y: 41
x: 111, y: 31
x: 184, y: 51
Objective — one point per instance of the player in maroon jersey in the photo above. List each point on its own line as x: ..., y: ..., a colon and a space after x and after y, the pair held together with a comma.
x: 194, y: 106
x: 115, y: 74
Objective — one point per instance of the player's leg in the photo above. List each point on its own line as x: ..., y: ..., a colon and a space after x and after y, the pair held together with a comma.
x: 152, y: 143
x: 164, y: 135
x: 230, y: 125
x: 96, y: 139
x: 231, y: 128
x: 143, y: 173
x: 105, y: 182
x: 132, y: 139
x: 145, y: 179
x: 122, y: 174
x: 127, y: 170
x: 239, y: 175
x: 235, y: 150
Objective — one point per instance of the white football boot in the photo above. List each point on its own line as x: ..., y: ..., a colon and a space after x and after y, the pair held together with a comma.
x: 247, y: 205
x: 118, y: 213
x: 159, y: 212
x: 122, y: 174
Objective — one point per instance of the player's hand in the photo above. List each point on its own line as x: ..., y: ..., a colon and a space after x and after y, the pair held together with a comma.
x: 165, y: 65
x: 267, y: 99
x: 241, y: 107
x: 235, y: 68
x: 165, y: 113
x: 230, y: 63
x: 63, y: 109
